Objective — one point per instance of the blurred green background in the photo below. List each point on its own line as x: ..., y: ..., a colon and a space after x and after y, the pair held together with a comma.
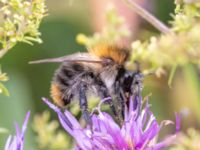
x: 67, y: 18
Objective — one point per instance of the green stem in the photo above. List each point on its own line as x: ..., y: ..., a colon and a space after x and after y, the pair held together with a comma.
x: 3, y: 52
x: 148, y: 17
x: 171, y: 76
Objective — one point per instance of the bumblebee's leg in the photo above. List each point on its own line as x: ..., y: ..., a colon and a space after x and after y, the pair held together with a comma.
x: 110, y: 103
x: 103, y: 94
x: 136, y: 91
x: 117, y: 101
x: 122, y: 100
x: 83, y: 103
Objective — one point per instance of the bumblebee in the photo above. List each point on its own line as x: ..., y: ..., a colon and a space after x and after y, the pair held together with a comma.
x: 101, y: 71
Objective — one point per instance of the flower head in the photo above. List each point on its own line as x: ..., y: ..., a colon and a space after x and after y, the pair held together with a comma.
x: 138, y: 132
x: 16, y: 142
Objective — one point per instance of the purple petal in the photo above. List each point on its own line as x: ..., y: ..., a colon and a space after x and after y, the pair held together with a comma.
x: 8, y: 143
x: 113, y: 129
x: 178, y: 122
x: 139, y: 130
x: 72, y: 119
x: 52, y: 106
x: 82, y: 139
x: 131, y: 105
x: 71, y: 125
x: 25, y: 122
x: 17, y: 142
x: 64, y: 120
x: 18, y: 132
x: 165, y: 143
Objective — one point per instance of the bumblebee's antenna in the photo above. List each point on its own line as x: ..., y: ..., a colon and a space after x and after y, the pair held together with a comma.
x: 59, y: 61
x: 77, y: 57
x: 46, y: 61
x: 138, y: 66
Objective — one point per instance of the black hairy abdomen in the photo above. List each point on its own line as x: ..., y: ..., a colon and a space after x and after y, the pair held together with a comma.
x: 69, y: 76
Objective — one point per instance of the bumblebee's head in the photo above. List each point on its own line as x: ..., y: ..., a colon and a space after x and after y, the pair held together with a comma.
x: 132, y: 81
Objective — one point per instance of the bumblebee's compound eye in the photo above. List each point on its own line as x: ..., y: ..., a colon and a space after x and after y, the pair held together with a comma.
x: 137, y: 78
x: 127, y: 81
x: 107, y: 61
x: 137, y: 82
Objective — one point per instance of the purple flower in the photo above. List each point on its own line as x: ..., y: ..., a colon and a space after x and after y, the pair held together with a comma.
x: 138, y: 132
x: 16, y: 142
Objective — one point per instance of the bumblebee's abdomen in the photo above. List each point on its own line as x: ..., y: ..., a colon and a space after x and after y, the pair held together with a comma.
x: 66, y: 82
x: 56, y: 94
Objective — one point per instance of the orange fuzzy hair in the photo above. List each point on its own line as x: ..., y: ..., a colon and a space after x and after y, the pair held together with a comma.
x: 118, y: 54
x: 56, y: 94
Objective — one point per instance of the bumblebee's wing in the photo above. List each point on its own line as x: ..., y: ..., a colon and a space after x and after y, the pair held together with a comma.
x: 77, y: 57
